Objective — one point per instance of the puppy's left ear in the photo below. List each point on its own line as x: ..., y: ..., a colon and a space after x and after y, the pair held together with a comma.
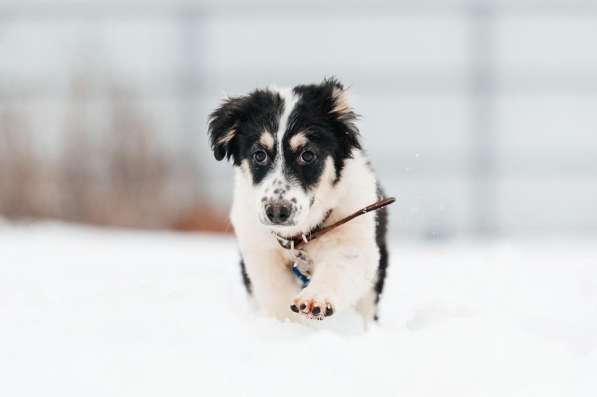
x: 223, y: 129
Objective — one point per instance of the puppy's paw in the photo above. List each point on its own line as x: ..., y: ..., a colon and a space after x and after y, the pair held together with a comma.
x: 312, y: 307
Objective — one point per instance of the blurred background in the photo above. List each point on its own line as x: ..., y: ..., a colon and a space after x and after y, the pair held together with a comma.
x: 480, y: 116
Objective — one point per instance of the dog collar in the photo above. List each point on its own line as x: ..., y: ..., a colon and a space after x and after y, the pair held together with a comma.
x: 295, y: 242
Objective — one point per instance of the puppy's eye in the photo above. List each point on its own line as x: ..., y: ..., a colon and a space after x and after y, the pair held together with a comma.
x: 306, y: 157
x: 260, y: 157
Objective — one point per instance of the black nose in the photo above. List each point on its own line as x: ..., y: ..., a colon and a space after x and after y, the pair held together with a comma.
x: 278, y: 213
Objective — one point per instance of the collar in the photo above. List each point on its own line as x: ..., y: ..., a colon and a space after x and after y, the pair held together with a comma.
x: 298, y: 240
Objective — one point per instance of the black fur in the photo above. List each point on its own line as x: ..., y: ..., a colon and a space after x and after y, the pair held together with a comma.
x: 330, y: 133
x: 245, y: 277
x: 247, y: 116
x: 381, y: 228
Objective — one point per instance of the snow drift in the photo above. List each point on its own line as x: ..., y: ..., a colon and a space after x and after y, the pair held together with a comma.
x: 114, y: 313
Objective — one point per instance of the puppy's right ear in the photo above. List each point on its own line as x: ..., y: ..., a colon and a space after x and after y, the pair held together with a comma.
x: 223, y: 129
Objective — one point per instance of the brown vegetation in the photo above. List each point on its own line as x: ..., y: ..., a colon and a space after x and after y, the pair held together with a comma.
x: 118, y: 176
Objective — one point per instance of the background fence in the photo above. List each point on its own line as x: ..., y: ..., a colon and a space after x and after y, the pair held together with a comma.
x: 481, y: 116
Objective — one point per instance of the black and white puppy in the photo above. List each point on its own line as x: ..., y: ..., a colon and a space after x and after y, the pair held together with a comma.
x: 298, y: 166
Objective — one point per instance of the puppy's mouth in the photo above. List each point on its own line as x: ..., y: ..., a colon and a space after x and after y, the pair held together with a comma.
x: 266, y: 222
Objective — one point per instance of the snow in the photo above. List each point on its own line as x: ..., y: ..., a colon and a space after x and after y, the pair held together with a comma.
x: 97, y: 312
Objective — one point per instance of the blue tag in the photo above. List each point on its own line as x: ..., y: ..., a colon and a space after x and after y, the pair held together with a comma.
x: 303, y: 278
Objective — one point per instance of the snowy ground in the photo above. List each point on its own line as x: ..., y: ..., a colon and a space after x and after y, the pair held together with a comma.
x: 85, y: 312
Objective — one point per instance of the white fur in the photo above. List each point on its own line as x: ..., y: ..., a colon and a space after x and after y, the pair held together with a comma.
x: 345, y: 260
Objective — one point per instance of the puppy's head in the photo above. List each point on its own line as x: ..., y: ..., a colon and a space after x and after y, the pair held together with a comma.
x: 290, y: 144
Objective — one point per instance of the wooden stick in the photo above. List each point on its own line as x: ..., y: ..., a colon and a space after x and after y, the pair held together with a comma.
x: 299, y: 241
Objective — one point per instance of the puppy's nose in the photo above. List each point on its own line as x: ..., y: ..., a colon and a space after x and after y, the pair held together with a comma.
x: 278, y: 212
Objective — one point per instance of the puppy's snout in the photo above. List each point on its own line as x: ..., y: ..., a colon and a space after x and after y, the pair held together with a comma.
x: 278, y: 212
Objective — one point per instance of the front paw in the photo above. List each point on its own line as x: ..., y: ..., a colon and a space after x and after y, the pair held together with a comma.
x: 312, y: 308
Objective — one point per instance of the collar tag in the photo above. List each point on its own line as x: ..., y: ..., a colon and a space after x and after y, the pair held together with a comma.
x: 303, y: 278
x: 301, y: 263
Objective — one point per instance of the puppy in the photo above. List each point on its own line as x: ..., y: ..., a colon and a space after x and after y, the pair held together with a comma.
x: 299, y: 166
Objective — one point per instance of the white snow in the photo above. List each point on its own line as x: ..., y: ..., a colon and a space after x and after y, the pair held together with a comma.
x: 90, y: 312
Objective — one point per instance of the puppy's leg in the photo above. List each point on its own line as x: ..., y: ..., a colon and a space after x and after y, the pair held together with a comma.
x: 272, y: 284
x: 367, y: 307
x: 344, y: 273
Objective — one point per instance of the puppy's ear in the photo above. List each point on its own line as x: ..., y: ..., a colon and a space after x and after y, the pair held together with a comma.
x: 342, y: 112
x: 223, y: 128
